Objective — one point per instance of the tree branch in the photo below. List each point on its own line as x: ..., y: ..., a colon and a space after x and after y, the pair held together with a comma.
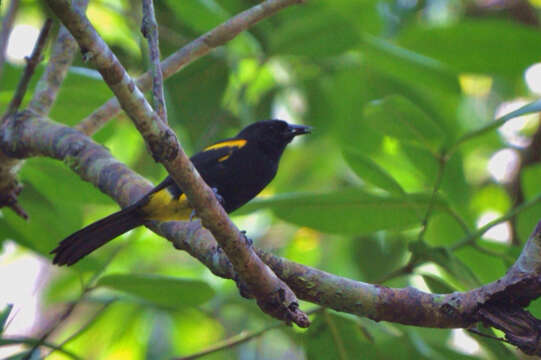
x: 56, y: 70
x: 9, y: 185
x: 7, y: 24
x: 31, y: 63
x: 495, y: 304
x: 218, y: 36
x: 273, y: 296
x: 149, y: 28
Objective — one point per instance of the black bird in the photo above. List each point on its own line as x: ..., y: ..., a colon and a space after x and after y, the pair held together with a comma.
x: 237, y: 169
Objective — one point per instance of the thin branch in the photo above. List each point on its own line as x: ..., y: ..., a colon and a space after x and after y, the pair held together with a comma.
x: 194, y: 50
x: 56, y: 70
x: 149, y: 28
x: 273, y: 296
x: 532, y: 107
x: 31, y: 64
x: 88, y: 288
x: 442, y: 160
x: 231, y: 342
x: 7, y: 24
x: 9, y: 185
x: 239, y: 339
x: 470, y: 239
x: 479, y: 333
x: 29, y: 341
x: 85, y: 326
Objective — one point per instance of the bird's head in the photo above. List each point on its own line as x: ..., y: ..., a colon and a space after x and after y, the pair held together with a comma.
x: 273, y: 134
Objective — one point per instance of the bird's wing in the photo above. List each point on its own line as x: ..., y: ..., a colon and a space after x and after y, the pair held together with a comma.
x: 206, y: 159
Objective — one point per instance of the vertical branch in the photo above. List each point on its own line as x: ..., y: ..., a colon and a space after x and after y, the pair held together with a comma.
x: 7, y: 24
x: 149, y: 28
x: 31, y: 63
x: 9, y: 185
x: 57, y: 69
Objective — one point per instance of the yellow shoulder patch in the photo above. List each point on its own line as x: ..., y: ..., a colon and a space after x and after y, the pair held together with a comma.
x: 224, y: 158
x: 229, y: 143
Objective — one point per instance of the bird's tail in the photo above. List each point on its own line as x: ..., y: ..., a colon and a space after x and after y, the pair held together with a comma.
x: 79, y: 244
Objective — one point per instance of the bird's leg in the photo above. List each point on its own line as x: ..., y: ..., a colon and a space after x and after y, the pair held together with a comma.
x: 247, y: 240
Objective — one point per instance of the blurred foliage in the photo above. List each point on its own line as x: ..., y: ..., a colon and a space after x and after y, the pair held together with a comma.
x: 388, y: 85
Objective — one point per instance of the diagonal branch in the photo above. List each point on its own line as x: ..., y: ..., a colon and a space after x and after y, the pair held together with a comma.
x: 56, y: 70
x: 31, y: 63
x: 199, y: 47
x: 7, y: 24
x: 9, y: 185
x: 272, y: 295
x: 499, y: 304
x: 149, y: 28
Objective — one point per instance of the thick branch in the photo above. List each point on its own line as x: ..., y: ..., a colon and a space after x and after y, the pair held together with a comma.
x: 494, y: 304
x: 272, y: 295
x: 218, y: 36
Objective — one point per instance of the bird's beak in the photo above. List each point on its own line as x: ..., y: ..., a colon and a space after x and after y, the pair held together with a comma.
x: 295, y: 130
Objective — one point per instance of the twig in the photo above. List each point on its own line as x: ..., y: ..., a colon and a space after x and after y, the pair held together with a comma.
x: 526, y: 109
x: 273, y: 295
x: 31, y: 64
x: 149, y: 28
x: 470, y: 239
x: 477, y: 332
x: 85, y: 326
x: 442, y: 160
x: 9, y: 185
x: 194, y: 50
x: 7, y: 24
x: 239, y: 339
x: 56, y: 70
x: 89, y: 287
x: 29, y: 341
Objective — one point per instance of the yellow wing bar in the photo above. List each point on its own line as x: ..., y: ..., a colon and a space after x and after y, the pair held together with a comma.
x: 228, y: 143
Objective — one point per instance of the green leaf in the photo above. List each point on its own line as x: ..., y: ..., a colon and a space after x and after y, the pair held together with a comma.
x: 398, y: 117
x: 480, y: 46
x: 4, y: 316
x: 196, y: 93
x: 448, y: 261
x: 350, y: 211
x: 201, y: 15
x: 371, y: 172
x: 315, y: 30
x: 333, y: 336
x: 408, y: 65
x: 160, y: 290
x: 437, y: 285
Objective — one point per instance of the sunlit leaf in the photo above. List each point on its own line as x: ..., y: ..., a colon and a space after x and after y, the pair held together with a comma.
x: 398, y: 117
x: 480, y: 46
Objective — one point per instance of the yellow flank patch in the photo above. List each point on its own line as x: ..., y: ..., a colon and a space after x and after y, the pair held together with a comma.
x: 163, y: 207
x: 223, y: 158
x: 229, y: 143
